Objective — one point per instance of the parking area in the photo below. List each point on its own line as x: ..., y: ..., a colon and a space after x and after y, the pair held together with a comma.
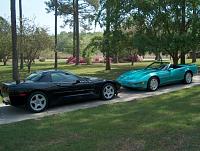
x: 9, y: 114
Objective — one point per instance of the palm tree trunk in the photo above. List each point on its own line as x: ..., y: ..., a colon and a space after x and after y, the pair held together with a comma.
x: 14, y: 42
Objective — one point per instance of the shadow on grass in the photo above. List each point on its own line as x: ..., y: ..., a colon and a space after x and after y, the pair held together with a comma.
x: 166, y: 122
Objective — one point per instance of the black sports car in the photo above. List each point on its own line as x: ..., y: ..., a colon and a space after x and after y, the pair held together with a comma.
x: 44, y: 88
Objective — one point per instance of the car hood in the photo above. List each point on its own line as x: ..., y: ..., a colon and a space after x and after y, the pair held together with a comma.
x: 136, y: 74
x: 93, y: 79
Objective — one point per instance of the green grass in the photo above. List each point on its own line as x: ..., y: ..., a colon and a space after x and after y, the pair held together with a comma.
x: 163, y: 123
x: 85, y: 70
x: 97, y: 70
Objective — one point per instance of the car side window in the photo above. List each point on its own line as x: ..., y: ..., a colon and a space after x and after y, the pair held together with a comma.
x: 63, y: 77
x: 45, y: 78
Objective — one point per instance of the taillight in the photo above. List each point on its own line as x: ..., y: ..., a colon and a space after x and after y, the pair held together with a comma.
x: 22, y: 94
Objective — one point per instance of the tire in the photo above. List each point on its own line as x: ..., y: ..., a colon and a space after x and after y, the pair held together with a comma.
x: 188, y: 77
x: 153, y: 84
x: 37, y: 102
x: 108, y: 91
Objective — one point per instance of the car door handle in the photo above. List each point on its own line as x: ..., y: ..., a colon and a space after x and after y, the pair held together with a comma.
x: 60, y: 85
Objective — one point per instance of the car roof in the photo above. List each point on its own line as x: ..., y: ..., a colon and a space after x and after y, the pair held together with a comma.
x: 50, y: 71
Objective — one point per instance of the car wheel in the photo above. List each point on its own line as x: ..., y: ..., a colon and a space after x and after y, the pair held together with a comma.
x: 153, y: 84
x: 188, y: 78
x: 37, y: 102
x: 108, y: 91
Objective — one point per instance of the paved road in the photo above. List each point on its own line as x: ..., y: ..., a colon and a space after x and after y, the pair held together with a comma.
x: 9, y: 114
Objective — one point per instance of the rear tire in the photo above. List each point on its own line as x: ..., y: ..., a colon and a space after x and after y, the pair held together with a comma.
x: 108, y: 91
x: 188, y: 77
x: 37, y: 102
x: 153, y: 84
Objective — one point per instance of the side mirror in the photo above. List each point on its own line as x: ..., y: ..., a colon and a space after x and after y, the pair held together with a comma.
x: 170, y: 69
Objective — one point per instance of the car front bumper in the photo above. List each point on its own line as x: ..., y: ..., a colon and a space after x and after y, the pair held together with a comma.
x: 136, y: 85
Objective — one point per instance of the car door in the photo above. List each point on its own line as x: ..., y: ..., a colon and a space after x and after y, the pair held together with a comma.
x: 176, y: 74
x: 68, y: 85
x: 164, y: 76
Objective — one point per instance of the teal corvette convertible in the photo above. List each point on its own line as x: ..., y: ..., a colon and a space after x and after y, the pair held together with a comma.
x: 157, y: 74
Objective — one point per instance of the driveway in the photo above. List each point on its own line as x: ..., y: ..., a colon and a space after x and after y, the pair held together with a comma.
x: 9, y: 114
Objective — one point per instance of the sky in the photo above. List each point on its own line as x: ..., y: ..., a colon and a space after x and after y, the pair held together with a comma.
x: 35, y: 10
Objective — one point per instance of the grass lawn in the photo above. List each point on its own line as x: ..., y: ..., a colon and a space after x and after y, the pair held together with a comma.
x: 97, y: 70
x: 163, y: 123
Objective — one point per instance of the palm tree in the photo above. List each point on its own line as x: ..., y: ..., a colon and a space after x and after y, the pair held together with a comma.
x: 14, y: 42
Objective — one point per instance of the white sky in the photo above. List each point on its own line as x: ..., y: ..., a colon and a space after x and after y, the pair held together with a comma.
x: 35, y: 9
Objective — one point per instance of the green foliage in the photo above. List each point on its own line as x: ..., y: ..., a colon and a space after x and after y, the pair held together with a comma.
x: 166, y: 26
x: 36, y: 39
x: 65, y: 42
x: 87, y: 10
x: 5, y: 40
x: 93, y: 47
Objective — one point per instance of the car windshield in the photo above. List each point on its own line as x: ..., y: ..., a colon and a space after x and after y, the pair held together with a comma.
x: 34, y: 77
x: 158, y: 66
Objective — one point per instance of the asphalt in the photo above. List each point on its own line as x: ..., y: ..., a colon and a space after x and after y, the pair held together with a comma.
x: 10, y: 114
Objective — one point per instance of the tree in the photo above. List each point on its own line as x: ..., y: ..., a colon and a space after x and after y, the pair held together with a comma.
x: 76, y: 22
x: 21, y: 35
x: 55, y: 47
x: 14, y: 43
x: 5, y: 40
x: 94, y: 46
x: 109, y: 16
x: 75, y: 11
x: 36, y: 40
x: 165, y: 26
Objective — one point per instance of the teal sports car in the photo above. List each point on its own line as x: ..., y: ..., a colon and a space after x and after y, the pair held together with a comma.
x: 157, y: 74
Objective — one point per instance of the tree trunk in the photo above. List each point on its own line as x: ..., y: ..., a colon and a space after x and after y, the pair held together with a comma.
x: 116, y: 58
x: 77, y: 33
x: 5, y: 61
x: 21, y: 35
x: 55, y: 48
x: 158, y: 57
x: 74, y: 29
x: 29, y: 67
x: 183, y: 8
x: 175, y: 59
x: 14, y: 43
x: 194, y: 30
x: 194, y: 56
x: 106, y: 34
x: 132, y: 60
x: 182, y: 57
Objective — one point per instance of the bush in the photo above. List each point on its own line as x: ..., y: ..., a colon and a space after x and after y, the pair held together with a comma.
x: 42, y: 59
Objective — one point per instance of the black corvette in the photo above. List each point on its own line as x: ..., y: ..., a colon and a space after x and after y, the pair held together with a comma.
x: 44, y: 88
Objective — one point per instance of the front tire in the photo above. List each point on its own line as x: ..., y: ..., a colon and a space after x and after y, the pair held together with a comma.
x: 153, y: 84
x: 188, y: 78
x: 108, y: 91
x: 37, y: 102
